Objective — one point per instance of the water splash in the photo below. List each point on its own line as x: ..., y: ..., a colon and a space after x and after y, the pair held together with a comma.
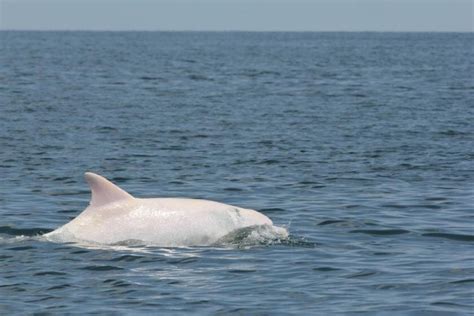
x: 254, y: 236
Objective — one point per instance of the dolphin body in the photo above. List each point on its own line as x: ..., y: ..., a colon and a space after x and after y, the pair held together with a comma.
x: 114, y: 216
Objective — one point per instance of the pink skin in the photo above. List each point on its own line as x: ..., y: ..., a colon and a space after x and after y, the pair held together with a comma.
x: 115, y: 216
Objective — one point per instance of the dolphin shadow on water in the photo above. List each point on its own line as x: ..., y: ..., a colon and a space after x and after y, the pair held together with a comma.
x: 116, y: 217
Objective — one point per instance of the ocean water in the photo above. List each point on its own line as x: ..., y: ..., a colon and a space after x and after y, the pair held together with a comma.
x: 360, y: 144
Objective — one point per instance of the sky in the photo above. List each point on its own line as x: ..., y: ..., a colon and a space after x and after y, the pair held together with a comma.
x: 244, y: 15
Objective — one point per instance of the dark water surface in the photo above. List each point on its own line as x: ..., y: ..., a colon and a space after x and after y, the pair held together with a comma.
x: 361, y: 144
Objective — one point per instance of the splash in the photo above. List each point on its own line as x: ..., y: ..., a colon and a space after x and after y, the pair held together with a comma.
x: 262, y: 235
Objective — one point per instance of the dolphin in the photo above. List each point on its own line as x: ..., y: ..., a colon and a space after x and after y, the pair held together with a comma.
x: 115, y: 216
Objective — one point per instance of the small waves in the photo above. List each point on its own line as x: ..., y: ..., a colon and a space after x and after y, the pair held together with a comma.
x: 7, y: 230
x: 381, y: 232
x: 376, y: 231
x: 459, y: 237
x: 15, y: 236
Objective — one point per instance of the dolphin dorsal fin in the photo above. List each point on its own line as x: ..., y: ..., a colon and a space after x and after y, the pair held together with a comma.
x: 103, y: 191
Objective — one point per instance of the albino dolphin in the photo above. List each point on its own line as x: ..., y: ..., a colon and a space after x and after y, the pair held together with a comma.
x: 115, y: 216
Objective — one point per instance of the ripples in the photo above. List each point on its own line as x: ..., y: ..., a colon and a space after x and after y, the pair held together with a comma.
x: 23, y: 231
x: 254, y: 236
x: 49, y: 273
x: 459, y: 237
x: 393, y: 231
x: 359, y: 157
x: 127, y: 258
x: 101, y: 268
x: 380, y: 232
x: 173, y: 273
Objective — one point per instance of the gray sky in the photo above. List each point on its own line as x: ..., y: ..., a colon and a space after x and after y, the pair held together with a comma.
x: 248, y: 15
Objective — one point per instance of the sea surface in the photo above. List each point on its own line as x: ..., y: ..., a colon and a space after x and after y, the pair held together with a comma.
x: 360, y: 144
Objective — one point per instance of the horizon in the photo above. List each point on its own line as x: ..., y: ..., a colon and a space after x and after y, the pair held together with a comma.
x: 222, y: 31
x: 437, y: 16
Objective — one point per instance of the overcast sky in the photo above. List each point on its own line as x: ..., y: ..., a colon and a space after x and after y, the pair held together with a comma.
x: 248, y: 15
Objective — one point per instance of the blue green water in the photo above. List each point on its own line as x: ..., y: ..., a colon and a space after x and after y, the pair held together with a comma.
x: 361, y: 144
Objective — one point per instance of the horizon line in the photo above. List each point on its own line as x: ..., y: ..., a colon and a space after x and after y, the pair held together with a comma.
x: 236, y: 31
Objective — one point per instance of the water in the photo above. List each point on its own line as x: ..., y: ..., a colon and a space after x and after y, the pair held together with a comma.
x: 361, y: 144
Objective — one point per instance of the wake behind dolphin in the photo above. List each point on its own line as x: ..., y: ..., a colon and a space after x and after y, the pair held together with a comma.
x: 114, y: 216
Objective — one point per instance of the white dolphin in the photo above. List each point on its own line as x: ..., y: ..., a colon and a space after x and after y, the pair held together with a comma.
x: 115, y: 216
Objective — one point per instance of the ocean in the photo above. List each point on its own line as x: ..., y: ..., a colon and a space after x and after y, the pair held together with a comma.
x: 360, y: 144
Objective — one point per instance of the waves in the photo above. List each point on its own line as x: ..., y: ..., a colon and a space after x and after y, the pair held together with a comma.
x: 363, y: 142
x: 12, y: 231
x: 380, y: 232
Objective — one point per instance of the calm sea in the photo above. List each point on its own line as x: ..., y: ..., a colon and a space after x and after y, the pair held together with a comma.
x: 361, y: 144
